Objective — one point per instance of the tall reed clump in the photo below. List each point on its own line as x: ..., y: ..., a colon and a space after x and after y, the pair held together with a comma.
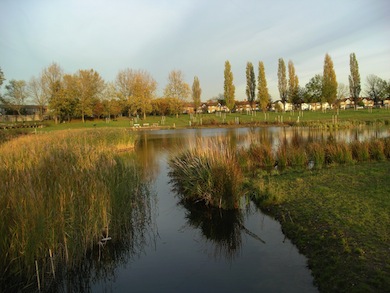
x: 261, y: 155
x: 56, y: 194
x: 316, y: 154
x: 338, y: 153
x: 208, y: 172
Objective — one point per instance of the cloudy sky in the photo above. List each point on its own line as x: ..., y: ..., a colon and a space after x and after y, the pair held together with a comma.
x: 196, y: 37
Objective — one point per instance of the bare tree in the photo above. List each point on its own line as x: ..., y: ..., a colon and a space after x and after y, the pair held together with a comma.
x: 16, y: 95
x: 36, y: 90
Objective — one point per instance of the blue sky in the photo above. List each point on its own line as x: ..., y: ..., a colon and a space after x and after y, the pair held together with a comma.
x: 196, y: 37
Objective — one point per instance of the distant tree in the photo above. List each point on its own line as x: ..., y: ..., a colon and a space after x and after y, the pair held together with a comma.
x: 228, y: 87
x: 68, y: 97
x: 329, y: 82
x: 342, y: 91
x: 52, y: 88
x: 314, y: 89
x: 16, y: 95
x: 177, y: 90
x: 282, y: 82
x: 110, y: 101
x: 262, y: 93
x: 196, y: 93
x: 250, y: 84
x: 87, y: 88
x: 2, y: 78
x: 293, y: 84
x: 375, y: 88
x: 37, y: 93
x: 144, y: 88
x: 354, y: 79
x: 136, y: 89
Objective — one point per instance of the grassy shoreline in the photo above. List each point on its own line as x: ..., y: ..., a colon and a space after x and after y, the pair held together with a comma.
x: 339, y: 218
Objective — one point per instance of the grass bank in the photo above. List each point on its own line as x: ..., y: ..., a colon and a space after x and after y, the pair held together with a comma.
x: 318, y: 119
x: 339, y: 218
x: 62, y: 192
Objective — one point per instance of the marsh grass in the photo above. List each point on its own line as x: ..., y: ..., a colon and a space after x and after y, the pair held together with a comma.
x: 58, y: 193
x: 208, y: 172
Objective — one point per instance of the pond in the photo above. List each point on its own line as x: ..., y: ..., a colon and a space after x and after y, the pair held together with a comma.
x: 162, y: 245
x: 193, y: 250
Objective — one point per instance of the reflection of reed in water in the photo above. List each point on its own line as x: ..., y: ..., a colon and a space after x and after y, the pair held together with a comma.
x: 222, y: 228
x: 62, y: 190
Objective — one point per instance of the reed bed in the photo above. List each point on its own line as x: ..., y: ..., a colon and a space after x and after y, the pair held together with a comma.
x: 58, y: 192
x: 208, y: 172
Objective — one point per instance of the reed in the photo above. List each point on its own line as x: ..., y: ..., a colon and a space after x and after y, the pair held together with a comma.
x: 208, y: 172
x: 57, y: 193
x: 316, y: 153
x: 360, y: 151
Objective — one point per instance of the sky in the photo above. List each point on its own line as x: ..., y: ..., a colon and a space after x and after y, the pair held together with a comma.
x: 196, y: 37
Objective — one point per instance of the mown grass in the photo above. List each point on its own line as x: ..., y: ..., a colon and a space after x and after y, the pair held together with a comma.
x: 59, y: 191
x: 339, y: 218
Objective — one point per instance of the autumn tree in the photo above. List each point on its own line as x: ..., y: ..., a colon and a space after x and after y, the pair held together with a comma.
x: 110, y: 101
x: 52, y: 88
x: 177, y: 90
x: 68, y: 97
x: 262, y: 89
x: 354, y: 79
x: 88, y: 85
x: 282, y: 82
x: 16, y: 95
x: 228, y: 87
x: 293, y: 85
x: 196, y: 93
x: 375, y: 88
x: 136, y: 88
x: 329, y: 82
x: 250, y: 84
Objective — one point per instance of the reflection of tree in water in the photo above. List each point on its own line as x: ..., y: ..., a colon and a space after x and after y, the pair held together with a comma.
x: 223, y: 228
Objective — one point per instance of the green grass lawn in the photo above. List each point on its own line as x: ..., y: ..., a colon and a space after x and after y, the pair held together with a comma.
x: 339, y: 217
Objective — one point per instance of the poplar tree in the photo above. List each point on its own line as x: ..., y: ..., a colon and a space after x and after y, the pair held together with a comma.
x: 282, y: 82
x: 329, y: 82
x: 250, y: 83
x: 229, y: 88
x: 262, y: 94
x: 293, y: 84
x: 354, y: 79
x: 196, y: 93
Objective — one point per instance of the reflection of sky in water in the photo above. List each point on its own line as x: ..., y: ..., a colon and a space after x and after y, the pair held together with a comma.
x: 190, y: 252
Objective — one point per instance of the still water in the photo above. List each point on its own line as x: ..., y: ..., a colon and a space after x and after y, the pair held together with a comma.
x: 191, y: 250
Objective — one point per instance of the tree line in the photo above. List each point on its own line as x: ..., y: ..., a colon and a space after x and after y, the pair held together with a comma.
x: 133, y: 92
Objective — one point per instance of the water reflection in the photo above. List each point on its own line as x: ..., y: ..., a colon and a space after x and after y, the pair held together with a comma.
x: 224, y: 229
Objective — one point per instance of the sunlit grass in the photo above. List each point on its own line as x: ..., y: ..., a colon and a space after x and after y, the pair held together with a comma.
x: 58, y: 192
